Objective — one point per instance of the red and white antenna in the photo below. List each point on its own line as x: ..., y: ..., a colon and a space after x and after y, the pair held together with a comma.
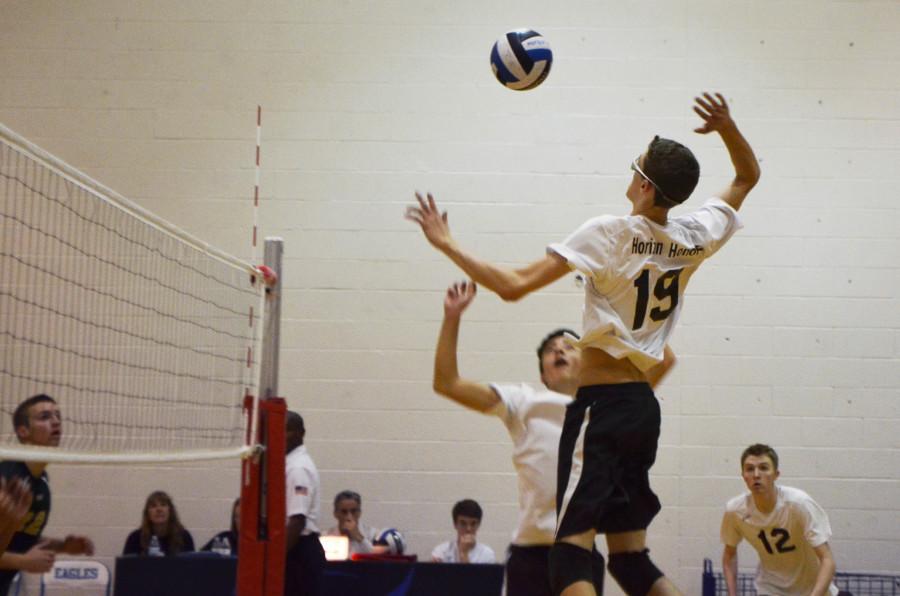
x: 254, y: 244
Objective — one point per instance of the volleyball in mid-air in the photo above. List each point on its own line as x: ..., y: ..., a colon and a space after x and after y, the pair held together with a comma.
x: 521, y: 59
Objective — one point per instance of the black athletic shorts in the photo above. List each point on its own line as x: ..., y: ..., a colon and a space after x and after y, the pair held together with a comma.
x: 607, y: 447
x: 528, y: 571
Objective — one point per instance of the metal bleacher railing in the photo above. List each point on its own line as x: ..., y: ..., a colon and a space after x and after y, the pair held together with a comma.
x: 849, y: 584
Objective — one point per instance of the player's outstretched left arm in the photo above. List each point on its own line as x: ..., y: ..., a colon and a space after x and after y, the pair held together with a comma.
x: 826, y: 570
x: 717, y: 118
x: 509, y: 284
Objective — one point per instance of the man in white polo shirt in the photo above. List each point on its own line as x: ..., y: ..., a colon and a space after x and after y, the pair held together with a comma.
x: 305, y: 559
x: 534, y: 419
x: 789, y: 531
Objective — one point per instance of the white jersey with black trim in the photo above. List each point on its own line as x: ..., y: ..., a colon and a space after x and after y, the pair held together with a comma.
x: 636, y: 273
x: 534, y: 420
x: 784, y: 539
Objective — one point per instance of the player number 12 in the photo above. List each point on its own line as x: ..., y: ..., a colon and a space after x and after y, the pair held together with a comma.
x: 781, y: 545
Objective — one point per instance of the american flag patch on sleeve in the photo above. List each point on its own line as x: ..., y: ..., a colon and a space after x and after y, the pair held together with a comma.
x: 300, y: 490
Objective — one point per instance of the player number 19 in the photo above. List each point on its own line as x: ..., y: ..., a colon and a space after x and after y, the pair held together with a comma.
x: 666, y: 287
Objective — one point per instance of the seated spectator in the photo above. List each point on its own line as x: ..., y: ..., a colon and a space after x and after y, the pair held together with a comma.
x: 226, y: 543
x: 161, y: 532
x: 347, y: 511
x: 465, y: 549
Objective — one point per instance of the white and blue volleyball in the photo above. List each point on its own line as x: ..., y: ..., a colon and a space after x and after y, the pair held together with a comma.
x: 393, y: 540
x: 521, y: 59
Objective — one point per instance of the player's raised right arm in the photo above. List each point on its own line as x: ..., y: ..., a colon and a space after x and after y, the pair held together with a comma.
x: 447, y: 382
x: 508, y: 283
x: 716, y: 117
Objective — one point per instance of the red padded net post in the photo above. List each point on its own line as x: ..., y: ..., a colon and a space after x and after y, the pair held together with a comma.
x: 263, y: 502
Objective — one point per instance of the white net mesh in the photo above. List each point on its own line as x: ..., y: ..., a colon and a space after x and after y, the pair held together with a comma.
x: 146, y: 337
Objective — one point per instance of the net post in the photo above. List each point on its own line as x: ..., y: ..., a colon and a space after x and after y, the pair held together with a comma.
x: 262, y: 531
x: 261, y: 570
x: 268, y: 381
x: 274, y: 410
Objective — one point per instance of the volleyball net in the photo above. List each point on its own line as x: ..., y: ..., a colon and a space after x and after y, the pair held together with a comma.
x: 147, y: 338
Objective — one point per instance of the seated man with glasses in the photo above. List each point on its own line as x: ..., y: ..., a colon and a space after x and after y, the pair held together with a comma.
x: 347, y: 511
x: 636, y: 268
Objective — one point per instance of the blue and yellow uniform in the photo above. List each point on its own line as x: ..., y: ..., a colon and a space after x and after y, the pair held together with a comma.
x: 30, y: 533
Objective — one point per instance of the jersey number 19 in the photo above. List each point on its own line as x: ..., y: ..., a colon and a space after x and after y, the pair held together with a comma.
x: 666, y: 287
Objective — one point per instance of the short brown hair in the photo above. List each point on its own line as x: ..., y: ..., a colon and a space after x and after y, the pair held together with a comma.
x: 758, y: 450
x: 21, y: 415
x: 467, y: 508
x: 673, y: 169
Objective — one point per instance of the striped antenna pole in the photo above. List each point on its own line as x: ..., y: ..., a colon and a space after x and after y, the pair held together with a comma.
x: 255, y: 256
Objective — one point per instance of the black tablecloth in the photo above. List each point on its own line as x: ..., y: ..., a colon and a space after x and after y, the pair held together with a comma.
x: 215, y: 576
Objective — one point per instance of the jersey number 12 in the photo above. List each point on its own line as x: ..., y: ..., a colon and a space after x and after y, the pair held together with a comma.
x: 666, y: 288
x: 781, y: 545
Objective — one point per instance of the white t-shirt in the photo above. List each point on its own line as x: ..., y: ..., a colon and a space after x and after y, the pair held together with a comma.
x: 448, y: 552
x: 302, y: 486
x: 369, y: 535
x: 534, y: 420
x: 784, y: 540
x: 636, y: 273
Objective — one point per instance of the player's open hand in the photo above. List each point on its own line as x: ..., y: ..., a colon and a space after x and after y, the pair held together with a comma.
x: 77, y: 545
x: 432, y: 221
x: 714, y: 112
x: 15, y: 501
x: 458, y: 298
x: 39, y: 558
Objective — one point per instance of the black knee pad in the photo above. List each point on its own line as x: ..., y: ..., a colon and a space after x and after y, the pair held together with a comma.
x: 598, y: 569
x: 569, y: 564
x: 634, y: 572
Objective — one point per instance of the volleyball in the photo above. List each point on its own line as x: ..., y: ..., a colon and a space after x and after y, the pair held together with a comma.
x: 521, y: 59
x: 392, y: 539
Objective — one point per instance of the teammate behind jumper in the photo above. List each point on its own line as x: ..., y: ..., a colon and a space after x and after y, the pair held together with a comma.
x: 534, y: 419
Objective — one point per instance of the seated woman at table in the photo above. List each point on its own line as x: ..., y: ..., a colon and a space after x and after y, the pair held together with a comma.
x: 161, y: 532
x: 226, y: 543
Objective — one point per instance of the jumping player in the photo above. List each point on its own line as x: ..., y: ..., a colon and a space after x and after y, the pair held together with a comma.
x: 637, y: 268
x: 787, y: 528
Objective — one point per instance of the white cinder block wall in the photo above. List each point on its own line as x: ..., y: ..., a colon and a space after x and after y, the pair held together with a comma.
x: 791, y: 335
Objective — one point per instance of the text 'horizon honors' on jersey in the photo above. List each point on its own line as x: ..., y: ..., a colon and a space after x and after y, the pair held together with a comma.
x: 637, y: 271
